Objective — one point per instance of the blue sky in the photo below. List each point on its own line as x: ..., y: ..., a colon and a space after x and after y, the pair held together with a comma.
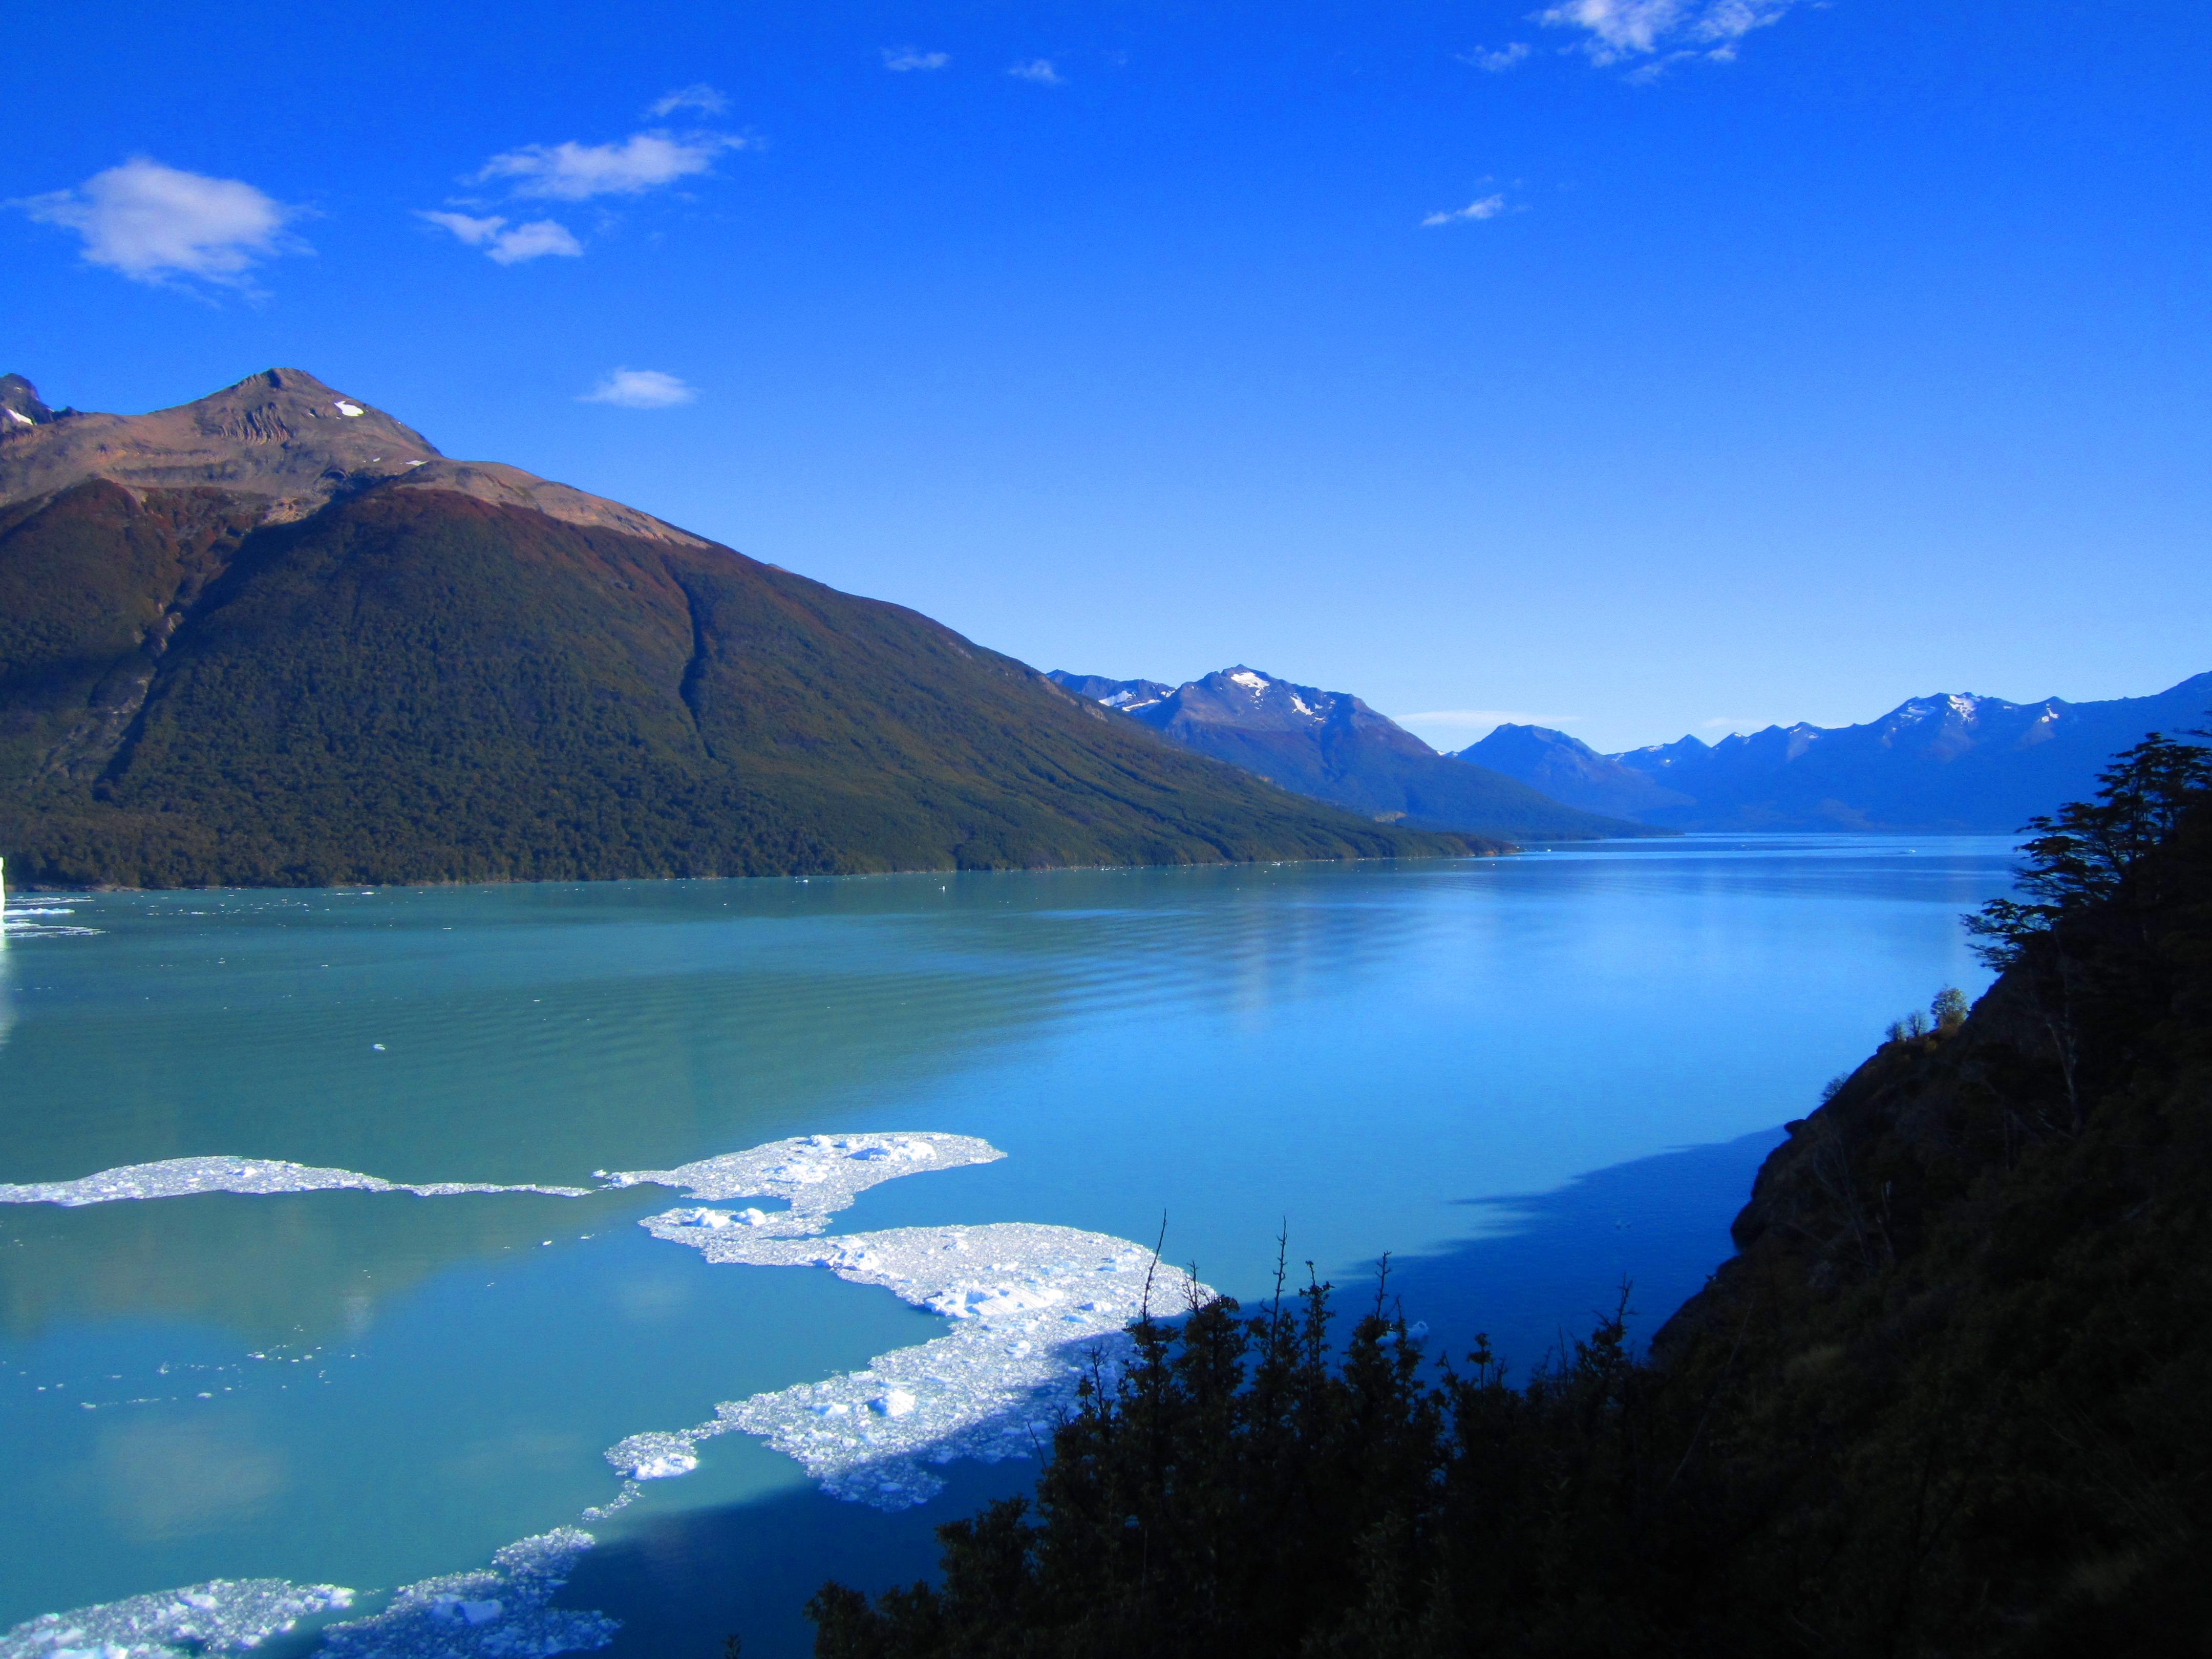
x: 1636, y: 366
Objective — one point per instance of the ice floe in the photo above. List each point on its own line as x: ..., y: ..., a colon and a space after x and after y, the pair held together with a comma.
x: 180, y: 1178
x: 1033, y: 1309
x: 816, y: 1176
x: 498, y: 1611
x: 37, y: 921
x: 224, y: 1615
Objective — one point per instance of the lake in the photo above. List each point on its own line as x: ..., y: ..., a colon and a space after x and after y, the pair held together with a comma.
x: 1525, y: 1078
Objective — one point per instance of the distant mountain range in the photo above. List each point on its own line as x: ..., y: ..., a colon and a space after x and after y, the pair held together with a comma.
x: 274, y: 637
x: 1949, y: 763
x: 1332, y: 746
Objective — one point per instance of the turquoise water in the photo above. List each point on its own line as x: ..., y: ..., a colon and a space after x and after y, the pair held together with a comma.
x: 1489, y: 1067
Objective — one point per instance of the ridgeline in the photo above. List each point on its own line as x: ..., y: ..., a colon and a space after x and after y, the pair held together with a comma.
x: 1952, y: 1396
x: 273, y: 638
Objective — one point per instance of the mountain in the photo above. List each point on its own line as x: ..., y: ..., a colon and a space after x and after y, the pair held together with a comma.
x: 1952, y: 763
x: 1127, y: 695
x: 1570, y: 770
x: 274, y: 637
x: 1332, y: 746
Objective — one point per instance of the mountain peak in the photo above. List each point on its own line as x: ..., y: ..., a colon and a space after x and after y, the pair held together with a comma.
x: 282, y: 436
x: 1332, y: 746
x: 20, y: 406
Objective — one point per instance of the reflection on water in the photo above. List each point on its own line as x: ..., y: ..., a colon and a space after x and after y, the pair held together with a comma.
x: 161, y: 1480
x: 370, y: 1388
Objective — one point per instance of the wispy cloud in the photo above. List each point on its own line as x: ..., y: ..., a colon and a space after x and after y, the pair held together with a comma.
x: 905, y: 60
x: 1657, y: 32
x: 1037, y: 70
x: 510, y: 245
x: 1483, y: 207
x: 640, y: 388
x: 160, y: 224
x: 707, y: 100
x: 1496, y: 60
x: 574, y: 173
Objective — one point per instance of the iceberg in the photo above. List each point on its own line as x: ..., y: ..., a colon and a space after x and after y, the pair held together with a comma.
x: 180, y: 1177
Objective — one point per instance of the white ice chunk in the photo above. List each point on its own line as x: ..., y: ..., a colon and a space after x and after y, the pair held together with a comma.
x: 224, y: 1615
x: 498, y: 1611
x: 816, y: 1176
x: 1033, y: 1310
x: 180, y: 1178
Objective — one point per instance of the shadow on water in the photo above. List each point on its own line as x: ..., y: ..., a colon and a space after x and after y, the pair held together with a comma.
x: 683, y: 1584
x: 1548, y: 1264
x: 1551, y: 1263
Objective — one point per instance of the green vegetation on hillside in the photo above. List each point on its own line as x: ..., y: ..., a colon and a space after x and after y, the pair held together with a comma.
x: 416, y: 685
x: 1953, y: 1397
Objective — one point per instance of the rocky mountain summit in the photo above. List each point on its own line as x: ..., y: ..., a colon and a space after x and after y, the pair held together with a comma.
x: 281, y: 436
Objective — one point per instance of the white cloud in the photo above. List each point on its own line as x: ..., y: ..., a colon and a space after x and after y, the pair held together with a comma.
x: 1039, y: 70
x: 1483, y: 207
x: 640, y: 388
x: 901, y: 60
x: 155, y: 223
x: 1498, y: 61
x: 510, y: 245
x: 573, y: 172
x: 534, y: 240
x: 707, y: 100
x: 1664, y: 30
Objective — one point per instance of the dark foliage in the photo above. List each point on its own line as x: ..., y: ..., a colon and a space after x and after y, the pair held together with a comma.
x: 1952, y: 1396
x: 416, y: 685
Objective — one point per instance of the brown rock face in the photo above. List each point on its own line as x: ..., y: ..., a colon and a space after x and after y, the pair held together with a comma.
x: 282, y: 437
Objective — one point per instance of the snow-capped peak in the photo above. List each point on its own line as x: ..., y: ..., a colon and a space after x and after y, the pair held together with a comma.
x: 1255, y: 683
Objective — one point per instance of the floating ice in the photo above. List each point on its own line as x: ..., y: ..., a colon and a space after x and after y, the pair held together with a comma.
x: 816, y: 1174
x: 33, y: 921
x: 224, y: 1615
x: 499, y: 1612
x: 178, y: 1177
x: 1034, y: 1310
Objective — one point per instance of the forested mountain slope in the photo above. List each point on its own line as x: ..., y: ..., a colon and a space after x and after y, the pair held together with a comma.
x: 261, y: 640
